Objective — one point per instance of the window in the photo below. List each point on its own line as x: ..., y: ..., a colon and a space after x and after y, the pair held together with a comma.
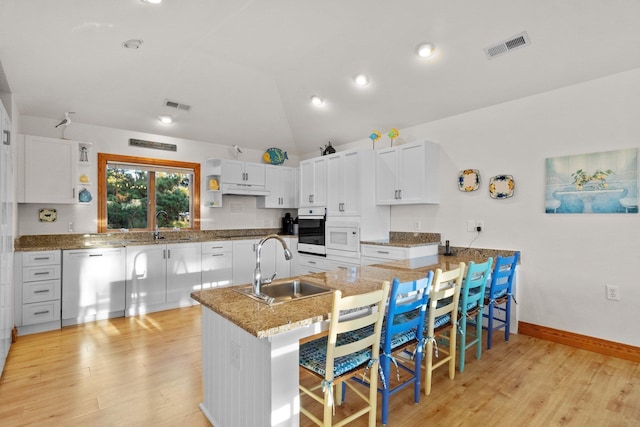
x: 133, y: 192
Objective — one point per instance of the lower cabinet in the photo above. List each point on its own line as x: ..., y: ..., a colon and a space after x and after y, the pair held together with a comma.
x: 93, y: 284
x: 378, y: 254
x: 38, y: 290
x: 309, y: 264
x: 217, y: 264
x: 272, y: 260
x: 162, y: 276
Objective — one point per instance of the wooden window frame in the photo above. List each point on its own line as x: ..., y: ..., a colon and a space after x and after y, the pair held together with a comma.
x: 104, y: 158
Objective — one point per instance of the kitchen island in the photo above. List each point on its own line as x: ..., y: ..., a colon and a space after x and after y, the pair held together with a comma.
x: 250, y: 349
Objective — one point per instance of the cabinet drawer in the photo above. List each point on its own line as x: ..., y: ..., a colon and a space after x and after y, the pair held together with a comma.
x: 316, y: 263
x: 40, y: 258
x: 40, y: 312
x: 40, y: 291
x: 46, y: 272
x: 384, y: 252
x: 216, y: 247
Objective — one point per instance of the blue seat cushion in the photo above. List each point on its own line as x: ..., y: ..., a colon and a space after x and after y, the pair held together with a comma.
x: 313, y: 354
x: 498, y: 294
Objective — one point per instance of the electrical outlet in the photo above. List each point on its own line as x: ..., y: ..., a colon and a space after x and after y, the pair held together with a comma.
x: 613, y: 292
x: 479, y: 225
x: 235, y: 355
x: 417, y: 225
x: 471, y: 225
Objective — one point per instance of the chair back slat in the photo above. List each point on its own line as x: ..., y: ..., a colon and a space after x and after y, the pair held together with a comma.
x: 475, y: 282
x: 502, y: 275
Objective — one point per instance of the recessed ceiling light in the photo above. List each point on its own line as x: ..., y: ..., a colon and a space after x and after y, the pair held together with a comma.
x: 361, y: 80
x: 317, y: 101
x: 151, y: 1
x: 165, y: 119
x: 426, y: 50
x: 132, y: 44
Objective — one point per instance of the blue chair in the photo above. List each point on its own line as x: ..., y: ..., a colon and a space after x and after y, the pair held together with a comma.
x: 471, y: 308
x: 497, y: 300
x: 403, y: 329
x: 352, y: 347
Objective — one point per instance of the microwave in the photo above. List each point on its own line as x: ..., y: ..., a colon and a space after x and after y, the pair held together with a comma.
x: 342, y: 238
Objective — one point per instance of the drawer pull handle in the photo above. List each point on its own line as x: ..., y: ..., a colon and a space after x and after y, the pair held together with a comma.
x: 41, y: 291
x: 217, y: 247
x: 217, y: 254
x: 41, y: 312
x: 41, y: 273
x: 41, y: 258
x: 383, y: 252
x: 312, y: 262
x: 95, y: 254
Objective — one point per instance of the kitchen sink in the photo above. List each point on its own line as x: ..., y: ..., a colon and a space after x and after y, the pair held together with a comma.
x: 276, y: 293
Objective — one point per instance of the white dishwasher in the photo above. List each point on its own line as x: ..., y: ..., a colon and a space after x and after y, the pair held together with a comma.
x: 93, y: 284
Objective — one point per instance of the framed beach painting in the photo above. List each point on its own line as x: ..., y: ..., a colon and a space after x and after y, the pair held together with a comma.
x: 605, y: 182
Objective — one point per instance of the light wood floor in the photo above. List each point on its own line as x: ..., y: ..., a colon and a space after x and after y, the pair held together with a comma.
x: 145, y: 371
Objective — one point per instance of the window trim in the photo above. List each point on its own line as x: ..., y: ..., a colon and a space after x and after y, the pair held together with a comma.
x: 104, y: 158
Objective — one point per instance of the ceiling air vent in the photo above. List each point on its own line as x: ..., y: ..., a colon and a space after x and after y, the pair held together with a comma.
x: 174, y: 104
x: 514, y: 42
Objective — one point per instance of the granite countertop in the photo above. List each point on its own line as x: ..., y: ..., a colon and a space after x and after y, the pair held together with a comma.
x: 47, y: 242
x: 263, y: 321
x: 406, y: 240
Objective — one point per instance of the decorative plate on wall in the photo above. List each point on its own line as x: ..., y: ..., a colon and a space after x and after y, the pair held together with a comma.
x: 47, y: 215
x: 501, y: 186
x: 469, y: 180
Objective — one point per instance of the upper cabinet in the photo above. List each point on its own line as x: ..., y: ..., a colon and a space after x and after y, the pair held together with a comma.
x: 407, y: 174
x: 281, y: 183
x: 237, y: 177
x: 349, y: 175
x: 313, y: 182
x: 50, y: 172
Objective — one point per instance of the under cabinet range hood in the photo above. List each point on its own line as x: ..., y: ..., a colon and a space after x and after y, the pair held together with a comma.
x: 244, y: 190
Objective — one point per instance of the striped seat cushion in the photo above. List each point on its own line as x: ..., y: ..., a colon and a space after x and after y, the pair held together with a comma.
x: 313, y: 354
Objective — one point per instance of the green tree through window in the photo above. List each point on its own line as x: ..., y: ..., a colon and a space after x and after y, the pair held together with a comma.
x: 135, y: 190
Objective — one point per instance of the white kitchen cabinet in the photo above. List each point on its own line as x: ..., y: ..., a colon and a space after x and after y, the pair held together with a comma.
x: 343, y: 183
x: 407, y: 174
x: 93, y: 284
x: 245, y: 173
x: 217, y: 264
x: 378, y: 254
x: 281, y: 183
x: 49, y: 172
x: 272, y: 260
x: 6, y: 235
x: 309, y: 264
x: 162, y: 276
x: 38, y: 290
x: 313, y: 182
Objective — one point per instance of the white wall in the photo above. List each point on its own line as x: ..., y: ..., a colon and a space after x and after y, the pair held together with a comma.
x: 237, y: 211
x: 566, y: 258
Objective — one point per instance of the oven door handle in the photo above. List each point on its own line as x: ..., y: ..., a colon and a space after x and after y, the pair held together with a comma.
x: 310, y: 217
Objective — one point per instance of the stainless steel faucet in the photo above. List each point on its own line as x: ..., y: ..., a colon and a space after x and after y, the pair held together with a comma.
x: 156, y: 232
x: 257, y: 275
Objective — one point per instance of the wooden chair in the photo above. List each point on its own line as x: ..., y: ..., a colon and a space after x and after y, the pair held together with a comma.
x: 471, y: 309
x: 351, y: 347
x: 497, y: 300
x: 442, y: 314
x: 402, y: 332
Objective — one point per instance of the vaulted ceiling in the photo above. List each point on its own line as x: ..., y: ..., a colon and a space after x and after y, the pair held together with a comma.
x: 248, y: 68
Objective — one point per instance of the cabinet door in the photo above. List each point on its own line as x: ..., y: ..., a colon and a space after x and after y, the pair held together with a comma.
x: 233, y: 172
x: 146, y: 277
x: 335, y: 184
x: 254, y: 174
x: 350, y: 166
x: 244, y: 261
x: 386, y: 169
x: 273, y: 184
x: 50, y: 170
x: 306, y: 183
x: 184, y: 272
x: 289, y: 187
x: 411, y: 173
x: 313, y: 182
x: 217, y: 265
